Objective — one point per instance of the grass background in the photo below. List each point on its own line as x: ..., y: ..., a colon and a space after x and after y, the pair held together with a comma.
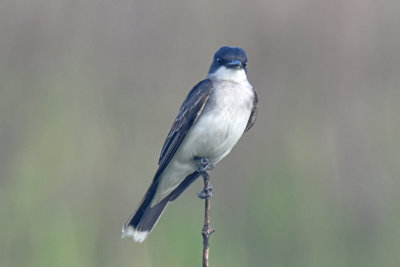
x: 89, y: 89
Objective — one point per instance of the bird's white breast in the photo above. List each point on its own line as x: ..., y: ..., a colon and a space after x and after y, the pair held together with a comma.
x: 223, y: 121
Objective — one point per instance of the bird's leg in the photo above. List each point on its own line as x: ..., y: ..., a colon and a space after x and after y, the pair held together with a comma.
x: 205, y: 166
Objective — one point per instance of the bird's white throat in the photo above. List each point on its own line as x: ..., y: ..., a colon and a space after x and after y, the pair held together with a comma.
x: 233, y: 75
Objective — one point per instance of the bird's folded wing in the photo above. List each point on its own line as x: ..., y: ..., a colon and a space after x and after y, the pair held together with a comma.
x: 187, y: 116
x: 253, y: 114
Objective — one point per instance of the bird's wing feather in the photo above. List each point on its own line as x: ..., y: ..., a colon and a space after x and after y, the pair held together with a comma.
x: 187, y: 116
x: 146, y: 216
x: 253, y: 113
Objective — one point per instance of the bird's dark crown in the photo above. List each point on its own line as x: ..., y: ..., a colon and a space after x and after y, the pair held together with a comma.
x: 230, y: 57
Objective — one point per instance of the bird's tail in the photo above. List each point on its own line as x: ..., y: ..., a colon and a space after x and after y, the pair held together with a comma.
x: 146, y: 216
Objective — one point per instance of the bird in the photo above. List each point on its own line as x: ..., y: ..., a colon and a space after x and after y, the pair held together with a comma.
x: 211, y: 120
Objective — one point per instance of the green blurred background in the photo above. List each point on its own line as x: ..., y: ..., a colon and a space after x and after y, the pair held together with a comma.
x: 89, y: 89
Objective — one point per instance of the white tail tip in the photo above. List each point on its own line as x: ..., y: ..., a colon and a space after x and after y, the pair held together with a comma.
x: 136, y: 235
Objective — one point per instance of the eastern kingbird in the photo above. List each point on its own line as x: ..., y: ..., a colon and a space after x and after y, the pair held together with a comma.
x: 215, y: 114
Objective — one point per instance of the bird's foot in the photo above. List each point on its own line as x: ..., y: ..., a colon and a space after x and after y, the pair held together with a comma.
x: 205, y: 164
x: 206, y: 193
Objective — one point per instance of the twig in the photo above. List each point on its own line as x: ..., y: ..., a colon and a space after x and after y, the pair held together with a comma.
x: 207, y: 230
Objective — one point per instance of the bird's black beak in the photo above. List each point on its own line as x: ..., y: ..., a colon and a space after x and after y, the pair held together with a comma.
x: 234, y: 64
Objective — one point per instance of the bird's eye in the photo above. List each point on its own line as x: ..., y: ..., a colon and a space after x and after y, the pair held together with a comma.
x: 245, y: 64
x: 219, y: 60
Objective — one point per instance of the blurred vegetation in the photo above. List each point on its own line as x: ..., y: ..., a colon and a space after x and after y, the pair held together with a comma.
x: 89, y: 89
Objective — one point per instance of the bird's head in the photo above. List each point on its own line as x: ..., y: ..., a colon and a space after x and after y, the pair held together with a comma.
x: 229, y: 63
